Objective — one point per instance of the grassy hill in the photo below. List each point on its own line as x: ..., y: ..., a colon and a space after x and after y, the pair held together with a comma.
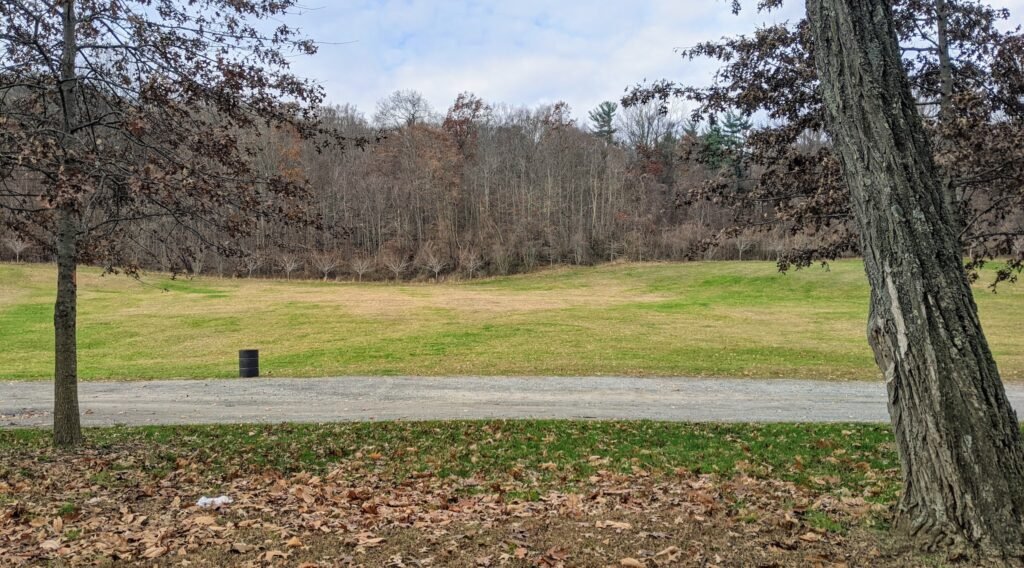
x: 712, y: 319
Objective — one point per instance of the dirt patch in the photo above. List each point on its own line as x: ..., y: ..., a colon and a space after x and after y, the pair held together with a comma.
x: 383, y: 300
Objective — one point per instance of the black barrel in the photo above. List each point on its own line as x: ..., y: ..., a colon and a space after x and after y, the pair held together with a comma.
x: 249, y: 363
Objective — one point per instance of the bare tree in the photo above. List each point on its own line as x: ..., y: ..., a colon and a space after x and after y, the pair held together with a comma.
x: 288, y: 262
x: 645, y: 126
x: 194, y: 254
x: 615, y: 249
x: 403, y: 108
x: 433, y: 261
x: 196, y: 261
x: 361, y: 264
x: 252, y: 261
x: 470, y: 260
x: 119, y: 113
x: 580, y: 249
x: 325, y: 261
x: 503, y: 258
x: 743, y: 244
x: 17, y: 247
x: 394, y: 262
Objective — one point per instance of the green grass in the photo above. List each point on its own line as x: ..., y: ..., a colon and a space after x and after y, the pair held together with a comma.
x: 859, y: 458
x: 707, y: 319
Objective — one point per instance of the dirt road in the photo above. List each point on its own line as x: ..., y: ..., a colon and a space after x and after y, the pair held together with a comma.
x: 418, y: 398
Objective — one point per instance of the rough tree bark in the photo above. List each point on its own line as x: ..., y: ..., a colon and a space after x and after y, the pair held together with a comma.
x: 67, y: 429
x: 957, y: 436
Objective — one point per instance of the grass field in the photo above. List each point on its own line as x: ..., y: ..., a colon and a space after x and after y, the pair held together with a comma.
x: 709, y: 319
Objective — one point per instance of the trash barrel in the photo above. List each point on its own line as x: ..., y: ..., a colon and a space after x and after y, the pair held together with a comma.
x: 249, y: 363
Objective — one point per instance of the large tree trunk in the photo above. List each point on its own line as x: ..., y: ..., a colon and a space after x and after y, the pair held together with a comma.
x: 957, y: 436
x: 67, y: 429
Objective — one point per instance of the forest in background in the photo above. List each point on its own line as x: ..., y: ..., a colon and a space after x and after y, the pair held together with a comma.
x: 480, y: 190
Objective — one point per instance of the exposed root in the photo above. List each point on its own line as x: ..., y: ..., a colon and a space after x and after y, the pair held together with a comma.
x: 932, y: 535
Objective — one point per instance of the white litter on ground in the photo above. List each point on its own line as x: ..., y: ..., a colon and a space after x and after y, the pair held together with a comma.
x: 208, y: 502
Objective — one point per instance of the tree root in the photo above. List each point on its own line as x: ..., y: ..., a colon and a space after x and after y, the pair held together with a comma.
x: 931, y: 535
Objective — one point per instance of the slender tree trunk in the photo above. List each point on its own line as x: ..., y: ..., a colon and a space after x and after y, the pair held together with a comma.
x: 67, y: 429
x: 957, y: 436
x: 952, y: 191
x: 945, y: 64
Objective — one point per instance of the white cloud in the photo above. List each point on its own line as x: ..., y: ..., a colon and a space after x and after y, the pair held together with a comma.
x: 523, y: 52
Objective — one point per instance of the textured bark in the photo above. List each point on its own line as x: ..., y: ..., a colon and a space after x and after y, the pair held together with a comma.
x: 957, y: 436
x: 67, y: 429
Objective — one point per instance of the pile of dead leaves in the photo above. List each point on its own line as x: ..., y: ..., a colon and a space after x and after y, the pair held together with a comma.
x: 93, y: 507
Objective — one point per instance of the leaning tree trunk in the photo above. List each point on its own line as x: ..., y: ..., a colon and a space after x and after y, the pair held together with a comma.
x: 67, y: 429
x: 957, y: 436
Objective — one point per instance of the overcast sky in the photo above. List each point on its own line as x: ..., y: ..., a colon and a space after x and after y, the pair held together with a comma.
x: 520, y: 52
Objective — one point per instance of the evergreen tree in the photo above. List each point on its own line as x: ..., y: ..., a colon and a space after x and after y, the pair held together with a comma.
x: 602, y: 121
x: 723, y: 144
x: 735, y: 128
x: 734, y: 133
x: 690, y: 129
x: 714, y: 147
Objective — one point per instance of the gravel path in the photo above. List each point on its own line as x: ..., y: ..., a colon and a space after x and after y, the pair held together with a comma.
x: 419, y: 398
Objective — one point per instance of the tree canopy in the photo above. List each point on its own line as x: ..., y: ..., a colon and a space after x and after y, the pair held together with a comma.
x: 969, y: 66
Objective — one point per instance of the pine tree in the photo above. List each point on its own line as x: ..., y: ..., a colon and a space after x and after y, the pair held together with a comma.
x: 734, y: 133
x: 723, y: 144
x: 602, y: 121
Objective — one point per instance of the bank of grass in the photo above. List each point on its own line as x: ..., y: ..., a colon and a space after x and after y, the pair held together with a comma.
x: 856, y: 459
x: 695, y: 319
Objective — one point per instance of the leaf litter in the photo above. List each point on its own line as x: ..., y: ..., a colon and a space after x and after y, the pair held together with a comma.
x: 75, y: 509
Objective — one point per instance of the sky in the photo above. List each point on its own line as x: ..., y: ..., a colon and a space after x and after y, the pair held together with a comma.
x: 518, y: 52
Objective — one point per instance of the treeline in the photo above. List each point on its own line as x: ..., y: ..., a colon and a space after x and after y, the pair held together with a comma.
x: 481, y: 190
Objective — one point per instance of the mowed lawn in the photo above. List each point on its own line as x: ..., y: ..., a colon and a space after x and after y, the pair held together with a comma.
x: 725, y: 319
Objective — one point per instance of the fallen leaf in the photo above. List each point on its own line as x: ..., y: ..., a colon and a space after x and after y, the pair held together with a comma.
x: 272, y: 554
x: 293, y: 542
x: 667, y: 556
x: 810, y: 537
x: 631, y: 563
x: 617, y: 525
